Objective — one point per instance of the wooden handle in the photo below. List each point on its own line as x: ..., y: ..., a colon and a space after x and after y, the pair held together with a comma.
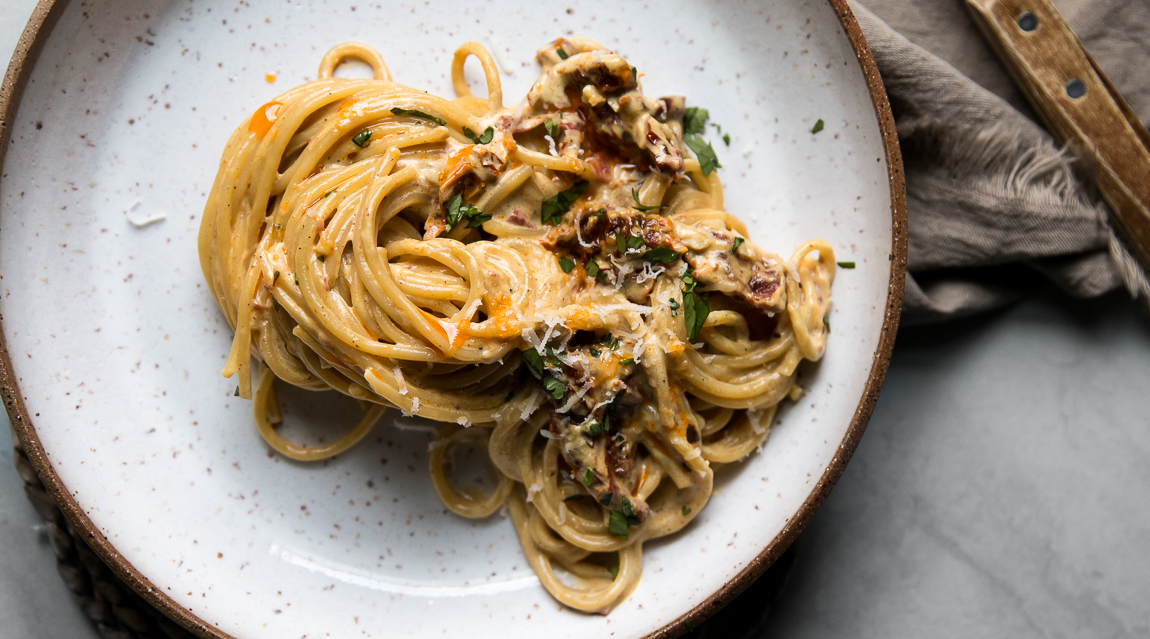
x: 1077, y: 102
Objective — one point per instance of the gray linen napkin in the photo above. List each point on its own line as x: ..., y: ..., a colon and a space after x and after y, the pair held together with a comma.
x: 989, y: 195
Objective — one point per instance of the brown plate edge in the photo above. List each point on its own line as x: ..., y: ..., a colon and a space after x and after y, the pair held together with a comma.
x: 28, y: 48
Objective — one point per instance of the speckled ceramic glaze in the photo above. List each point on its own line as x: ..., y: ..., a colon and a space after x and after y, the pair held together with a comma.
x: 115, y: 345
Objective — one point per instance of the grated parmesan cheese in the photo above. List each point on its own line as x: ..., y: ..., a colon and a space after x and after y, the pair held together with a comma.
x: 400, y: 381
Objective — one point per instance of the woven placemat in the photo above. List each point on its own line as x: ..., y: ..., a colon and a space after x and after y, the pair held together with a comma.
x: 118, y: 612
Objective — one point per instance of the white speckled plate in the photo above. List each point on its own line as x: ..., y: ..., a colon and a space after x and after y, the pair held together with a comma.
x: 114, y: 345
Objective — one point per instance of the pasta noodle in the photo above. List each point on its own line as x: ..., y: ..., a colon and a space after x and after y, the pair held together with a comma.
x: 557, y: 281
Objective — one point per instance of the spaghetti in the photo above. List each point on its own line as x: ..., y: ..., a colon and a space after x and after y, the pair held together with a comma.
x: 557, y: 281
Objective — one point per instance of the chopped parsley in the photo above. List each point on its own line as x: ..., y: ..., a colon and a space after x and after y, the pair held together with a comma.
x: 628, y: 362
x: 827, y: 322
x: 625, y: 242
x: 642, y: 207
x: 275, y: 278
x: 686, y: 510
x: 593, y: 269
x: 627, y: 508
x: 846, y: 264
x: 534, y: 362
x: 361, y: 139
x: 562, y: 54
x: 588, y: 477
x: 479, y: 139
x: 320, y: 258
x: 595, y: 352
x: 634, y: 75
x: 705, y: 153
x: 695, y: 120
x: 695, y: 311
x: 555, y: 386
x: 597, y: 428
x: 600, y: 212
x: 736, y: 244
x: 566, y: 264
x: 614, y: 570
x: 552, y: 129
x: 610, y: 341
x: 674, y: 304
x: 419, y: 114
x: 237, y: 393
x: 554, y: 207
x: 661, y: 255
x: 727, y: 139
x: 818, y: 126
x: 457, y: 211
x: 280, y: 226
x: 689, y: 282
x: 329, y: 192
x: 618, y: 526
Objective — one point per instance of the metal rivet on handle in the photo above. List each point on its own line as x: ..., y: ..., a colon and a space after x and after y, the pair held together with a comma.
x: 1027, y: 21
x: 1076, y: 88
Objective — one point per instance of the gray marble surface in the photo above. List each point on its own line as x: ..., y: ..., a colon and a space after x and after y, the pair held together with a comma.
x: 1001, y: 490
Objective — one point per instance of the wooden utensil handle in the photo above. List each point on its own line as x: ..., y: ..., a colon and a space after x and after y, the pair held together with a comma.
x: 1076, y: 102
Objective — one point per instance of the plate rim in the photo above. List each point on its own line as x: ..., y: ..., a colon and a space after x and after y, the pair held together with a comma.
x: 19, y: 71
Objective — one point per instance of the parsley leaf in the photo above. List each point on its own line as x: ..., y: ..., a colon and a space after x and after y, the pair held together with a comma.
x: 553, y: 129
x: 846, y: 264
x: 237, y: 393
x: 627, y: 508
x: 704, y: 152
x: 686, y: 510
x: 418, y: 114
x: 597, y: 428
x: 642, y: 207
x: 562, y: 54
x: 689, y: 283
x: 534, y: 362
x: 661, y: 255
x: 555, y: 386
x: 554, y: 207
x: 736, y: 244
x: 727, y: 139
x: 673, y: 303
x: 610, y: 341
x: 628, y: 362
x: 618, y: 525
x: 275, y: 278
x: 361, y: 139
x: 593, y: 269
x: 594, y: 352
x: 457, y: 211
x: 479, y: 139
x: 635, y: 242
x: 827, y: 322
x: 818, y: 126
x: 566, y: 264
x: 634, y: 75
x: 695, y: 311
x: 695, y: 121
x: 588, y: 477
x: 620, y: 242
x: 614, y: 570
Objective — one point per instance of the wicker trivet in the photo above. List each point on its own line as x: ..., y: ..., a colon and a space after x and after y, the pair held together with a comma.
x: 119, y: 613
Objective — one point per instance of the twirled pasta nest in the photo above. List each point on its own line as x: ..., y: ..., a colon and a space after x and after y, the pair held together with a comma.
x: 557, y: 281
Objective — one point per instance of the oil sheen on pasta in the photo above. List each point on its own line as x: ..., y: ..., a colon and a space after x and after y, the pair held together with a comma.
x: 557, y: 282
